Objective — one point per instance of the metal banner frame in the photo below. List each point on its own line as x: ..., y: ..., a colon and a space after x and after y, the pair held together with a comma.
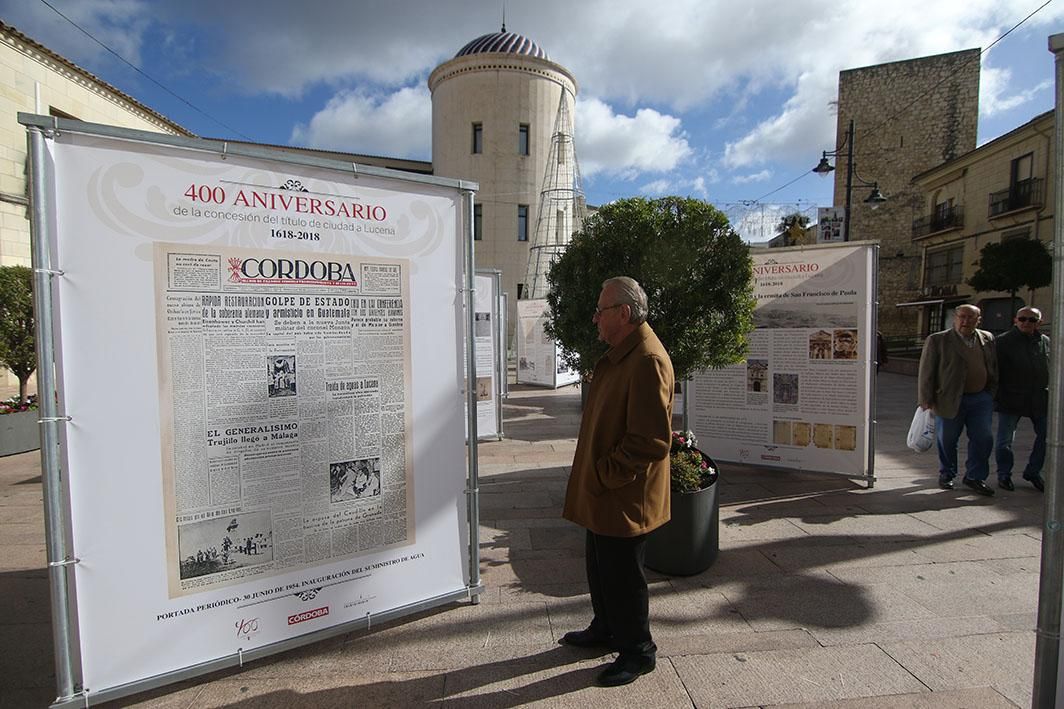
x: 498, y: 344
x: 54, y: 461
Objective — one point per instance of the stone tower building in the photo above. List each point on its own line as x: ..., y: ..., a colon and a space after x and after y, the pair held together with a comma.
x: 493, y: 112
x: 909, y: 116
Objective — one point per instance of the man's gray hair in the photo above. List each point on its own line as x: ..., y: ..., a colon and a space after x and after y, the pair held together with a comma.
x: 969, y: 307
x: 627, y: 291
x: 1027, y: 308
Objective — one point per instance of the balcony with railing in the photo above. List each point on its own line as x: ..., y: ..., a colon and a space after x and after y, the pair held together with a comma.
x: 1021, y: 195
x: 941, y: 220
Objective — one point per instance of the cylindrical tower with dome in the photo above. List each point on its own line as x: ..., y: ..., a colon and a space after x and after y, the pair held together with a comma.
x: 493, y: 111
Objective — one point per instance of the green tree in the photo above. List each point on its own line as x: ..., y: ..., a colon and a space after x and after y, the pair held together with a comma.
x: 695, y: 269
x: 1011, y: 265
x: 17, y: 336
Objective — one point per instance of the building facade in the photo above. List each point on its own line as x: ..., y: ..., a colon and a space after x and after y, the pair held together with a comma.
x: 494, y: 107
x: 908, y: 116
x: 37, y: 80
x: 1000, y: 191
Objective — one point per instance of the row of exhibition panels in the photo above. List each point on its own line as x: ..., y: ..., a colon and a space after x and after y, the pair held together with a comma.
x: 292, y: 458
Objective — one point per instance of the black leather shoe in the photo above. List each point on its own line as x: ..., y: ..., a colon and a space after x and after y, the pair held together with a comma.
x: 586, y: 638
x: 1006, y: 484
x: 979, y: 486
x: 625, y: 670
x: 945, y: 483
x: 1037, y: 481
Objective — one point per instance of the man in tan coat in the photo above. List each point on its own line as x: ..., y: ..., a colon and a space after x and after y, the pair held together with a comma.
x: 619, y: 486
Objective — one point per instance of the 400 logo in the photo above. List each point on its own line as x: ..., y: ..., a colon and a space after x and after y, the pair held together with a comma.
x: 247, y: 628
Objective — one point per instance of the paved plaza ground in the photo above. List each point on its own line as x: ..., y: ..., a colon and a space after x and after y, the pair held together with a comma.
x: 825, y: 594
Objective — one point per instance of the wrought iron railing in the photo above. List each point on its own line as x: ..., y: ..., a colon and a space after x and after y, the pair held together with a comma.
x: 1022, y: 194
x: 941, y: 220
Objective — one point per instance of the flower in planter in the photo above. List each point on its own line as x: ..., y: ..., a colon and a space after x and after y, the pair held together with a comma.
x: 14, y: 405
x: 690, y: 469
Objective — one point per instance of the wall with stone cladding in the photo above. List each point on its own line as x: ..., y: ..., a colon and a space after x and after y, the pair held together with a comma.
x: 909, y: 117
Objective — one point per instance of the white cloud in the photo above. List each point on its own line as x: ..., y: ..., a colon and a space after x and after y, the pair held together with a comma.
x: 398, y: 124
x: 753, y: 177
x: 994, y: 88
x: 626, y: 146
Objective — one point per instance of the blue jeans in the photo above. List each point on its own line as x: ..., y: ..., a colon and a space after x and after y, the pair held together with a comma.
x: 1006, y: 433
x: 975, y: 413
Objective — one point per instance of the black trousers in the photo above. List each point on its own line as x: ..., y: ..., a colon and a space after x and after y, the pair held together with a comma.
x: 619, y: 594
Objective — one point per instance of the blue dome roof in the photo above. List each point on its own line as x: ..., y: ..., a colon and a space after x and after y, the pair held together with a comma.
x: 504, y: 42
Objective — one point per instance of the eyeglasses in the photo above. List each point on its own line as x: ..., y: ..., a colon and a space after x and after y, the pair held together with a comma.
x: 1026, y: 319
x: 600, y: 311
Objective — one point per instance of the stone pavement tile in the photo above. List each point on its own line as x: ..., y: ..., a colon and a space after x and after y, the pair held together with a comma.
x: 26, y: 600
x: 814, y: 554
x: 35, y: 697
x: 745, y: 641
x: 986, y: 596
x: 570, y: 538
x: 908, y: 630
x: 991, y: 519
x: 959, y: 571
x: 979, y: 547
x: 1004, y: 661
x: 745, y: 492
x: 24, y: 560
x: 366, y: 688
x: 1017, y: 621
x: 496, y: 504
x: 982, y: 697
x: 867, y: 527
x: 536, y: 572
x: 732, y: 562
x: 172, y: 696
x: 21, y: 533
x: 812, y: 675
x: 785, y: 507
x: 27, y: 660
x: 22, y: 514
x: 700, y: 611
x: 566, y: 685
x: 746, y: 528
x: 518, y: 593
x: 739, y: 585
x: 434, y: 637
x: 493, y: 537
x: 821, y: 603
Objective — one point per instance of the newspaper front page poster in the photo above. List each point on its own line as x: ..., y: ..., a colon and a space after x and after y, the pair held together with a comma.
x: 262, y: 364
x: 801, y: 399
x: 284, y: 396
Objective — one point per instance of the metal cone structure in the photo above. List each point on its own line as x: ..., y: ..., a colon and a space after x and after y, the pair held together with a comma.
x: 562, y: 205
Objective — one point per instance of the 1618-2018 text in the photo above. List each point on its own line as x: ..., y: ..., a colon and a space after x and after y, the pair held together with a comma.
x: 290, y: 234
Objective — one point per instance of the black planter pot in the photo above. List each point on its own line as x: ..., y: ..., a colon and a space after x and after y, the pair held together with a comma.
x: 688, y: 544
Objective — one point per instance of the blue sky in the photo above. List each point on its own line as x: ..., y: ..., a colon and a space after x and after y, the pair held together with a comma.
x: 724, y: 100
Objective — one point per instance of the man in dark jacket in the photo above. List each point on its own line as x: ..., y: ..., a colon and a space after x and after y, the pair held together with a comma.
x: 1023, y: 390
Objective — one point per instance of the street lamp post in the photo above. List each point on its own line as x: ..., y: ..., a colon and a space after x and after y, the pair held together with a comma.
x: 875, y: 197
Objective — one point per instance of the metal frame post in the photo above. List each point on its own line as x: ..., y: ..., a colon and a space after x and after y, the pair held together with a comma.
x: 473, y: 487
x: 873, y: 374
x: 60, y: 562
x: 1047, y: 635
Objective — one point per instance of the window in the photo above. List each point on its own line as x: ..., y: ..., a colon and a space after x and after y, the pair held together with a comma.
x: 944, y: 267
x: 478, y: 138
x: 520, y: 290
x: 522, y: 222
x: 1023, y: 233
x: 478, y: 222
x: 1022, y: 169
x: 559, y: 227
x: 522, y: 139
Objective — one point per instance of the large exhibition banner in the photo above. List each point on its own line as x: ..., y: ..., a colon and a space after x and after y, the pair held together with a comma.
x: 539, y: 359
x: 802, y: 397
x: 262, y: 365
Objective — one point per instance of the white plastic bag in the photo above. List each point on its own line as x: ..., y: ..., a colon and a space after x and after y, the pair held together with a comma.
x: 922, y: 431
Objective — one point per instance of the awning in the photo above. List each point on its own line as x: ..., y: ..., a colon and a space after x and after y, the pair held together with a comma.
x: 936, y: 301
